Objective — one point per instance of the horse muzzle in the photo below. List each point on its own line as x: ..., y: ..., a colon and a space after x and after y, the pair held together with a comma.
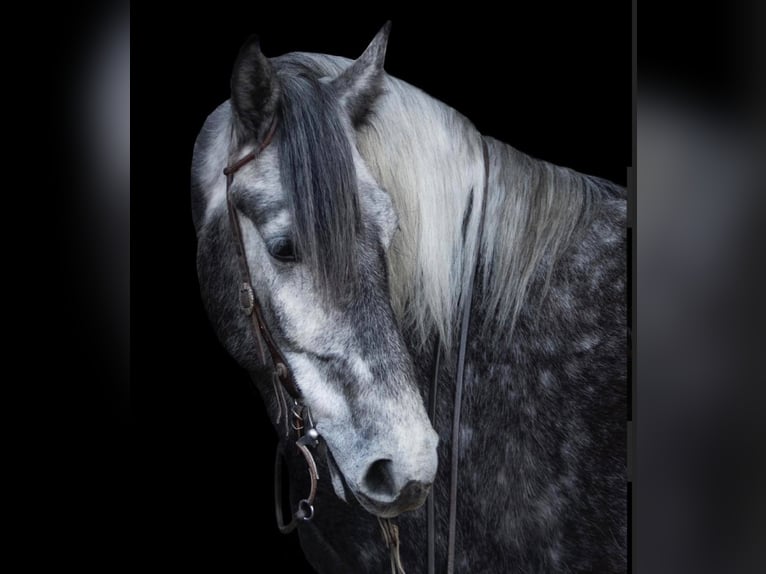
x: 387, y: 487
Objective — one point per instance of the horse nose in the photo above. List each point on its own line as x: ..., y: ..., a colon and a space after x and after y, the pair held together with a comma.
x: 379, y: 480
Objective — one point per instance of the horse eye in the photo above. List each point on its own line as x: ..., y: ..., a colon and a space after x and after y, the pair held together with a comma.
x: 282, y: 249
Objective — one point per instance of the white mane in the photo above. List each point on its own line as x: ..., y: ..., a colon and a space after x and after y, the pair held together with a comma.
x: 429, y: 158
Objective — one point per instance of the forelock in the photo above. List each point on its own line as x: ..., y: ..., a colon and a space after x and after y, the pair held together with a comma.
x: 319, y: 178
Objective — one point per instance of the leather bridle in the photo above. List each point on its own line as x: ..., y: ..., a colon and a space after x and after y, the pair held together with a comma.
x: 283, y: 378
x: 248, y: 302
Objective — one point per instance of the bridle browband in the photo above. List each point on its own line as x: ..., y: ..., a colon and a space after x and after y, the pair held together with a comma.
x: 282, y: 376
x: 283, y: 379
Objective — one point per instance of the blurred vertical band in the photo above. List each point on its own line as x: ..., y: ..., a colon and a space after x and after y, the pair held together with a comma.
x: 700, y: 503
x: 99, y: 116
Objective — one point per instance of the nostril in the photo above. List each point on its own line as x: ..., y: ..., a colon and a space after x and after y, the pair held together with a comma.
x: 379, y: 479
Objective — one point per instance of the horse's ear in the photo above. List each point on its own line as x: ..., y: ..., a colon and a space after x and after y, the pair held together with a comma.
x: 254, y: 92
x: 360, y: 83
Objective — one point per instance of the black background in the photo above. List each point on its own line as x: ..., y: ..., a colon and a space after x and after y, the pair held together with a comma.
x: 191, y: 473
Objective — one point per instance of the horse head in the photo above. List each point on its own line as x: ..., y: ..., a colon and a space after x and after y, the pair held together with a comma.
x: 315, y: 230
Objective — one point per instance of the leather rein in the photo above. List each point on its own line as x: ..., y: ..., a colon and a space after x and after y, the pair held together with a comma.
x: 465, y: 322
x: 282, y: 379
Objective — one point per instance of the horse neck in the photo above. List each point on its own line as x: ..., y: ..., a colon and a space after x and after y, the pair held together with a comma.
x: 429, y: 158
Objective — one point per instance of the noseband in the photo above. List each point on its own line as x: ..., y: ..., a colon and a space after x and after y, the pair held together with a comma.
x: 282, y: 378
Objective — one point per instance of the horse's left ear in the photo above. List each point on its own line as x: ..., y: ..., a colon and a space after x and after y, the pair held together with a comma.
x: 360, y: 83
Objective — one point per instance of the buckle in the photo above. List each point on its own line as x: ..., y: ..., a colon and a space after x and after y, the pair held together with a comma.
x: 246, y: 298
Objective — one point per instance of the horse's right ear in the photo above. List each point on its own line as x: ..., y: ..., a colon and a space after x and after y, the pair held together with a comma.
x: 254, y: 92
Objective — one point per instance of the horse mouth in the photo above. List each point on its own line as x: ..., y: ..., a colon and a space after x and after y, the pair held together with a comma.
x: 411, y: 497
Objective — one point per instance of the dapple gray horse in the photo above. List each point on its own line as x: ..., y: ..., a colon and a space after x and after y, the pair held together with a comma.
x: 394, y: 252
